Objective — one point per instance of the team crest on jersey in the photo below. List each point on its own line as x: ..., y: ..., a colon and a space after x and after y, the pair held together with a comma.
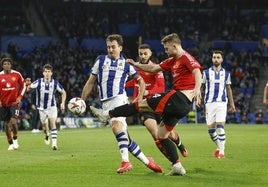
x: 13, y: 78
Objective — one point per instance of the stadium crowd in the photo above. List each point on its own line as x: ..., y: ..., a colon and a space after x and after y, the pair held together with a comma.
x: 202, y: 24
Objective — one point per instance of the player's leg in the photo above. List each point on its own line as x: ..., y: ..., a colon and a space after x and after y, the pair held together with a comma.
x: 174, y: 136
x: 149, y: 121
x: 44, y: 122
x: 54, y: 133
x: 7, y: 128
x: 220, y: 121
x: 168, y: 148
x: 136, y: 151
x: 222, y: 138
x: 211, y: 124
x: 52, y: 117
x: 122, y: 142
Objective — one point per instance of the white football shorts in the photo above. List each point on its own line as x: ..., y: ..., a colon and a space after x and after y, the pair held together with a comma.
x: 46, y: 114
x: 116, y: 101
x: 216, y: 112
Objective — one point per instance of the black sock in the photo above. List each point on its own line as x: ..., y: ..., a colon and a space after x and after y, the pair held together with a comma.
x: 123, y: 111
x: 167, y: 147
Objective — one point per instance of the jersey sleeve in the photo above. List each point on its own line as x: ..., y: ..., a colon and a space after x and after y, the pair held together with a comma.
x: 228, y: 80
x: 22, y: 85
x: 34, y: 84
x: 95, y: 68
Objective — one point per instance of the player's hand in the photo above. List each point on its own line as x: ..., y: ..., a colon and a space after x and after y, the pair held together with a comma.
x: 131, y: 61
x: 232, y: 108
x: 18, y: 100
x: 197, y: 97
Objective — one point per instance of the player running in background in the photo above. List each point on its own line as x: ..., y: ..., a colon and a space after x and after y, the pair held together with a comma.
x: 46, y: 89
x: 12, y: 89
x: 155, y: 83
x: 217, y: 83
x: 174, y: 104
x: 265, y: 94
x: 111, y: 73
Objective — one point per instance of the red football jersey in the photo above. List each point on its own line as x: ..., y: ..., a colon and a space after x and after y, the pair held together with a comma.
x: 155, y: 82
x: 11, y: 87
x: 181, y: 70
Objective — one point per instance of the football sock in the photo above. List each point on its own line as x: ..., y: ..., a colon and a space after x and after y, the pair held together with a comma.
x: 10, y: 140
x: 54, y: 134
x: 135, y: 150
x: 213, y: 135
x: 122, y: 140
x: 124, y: 111
x: 167, y: 147
x: 222, y: 138
x: 46, y: 134
x: 175, y: 138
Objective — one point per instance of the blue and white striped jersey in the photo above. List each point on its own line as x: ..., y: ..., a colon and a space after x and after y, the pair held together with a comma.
x: 45, y: 93
x: 215, y: 83
x: 112, y: 75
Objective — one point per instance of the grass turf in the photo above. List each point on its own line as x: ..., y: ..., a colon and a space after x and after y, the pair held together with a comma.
x: 90, y: 157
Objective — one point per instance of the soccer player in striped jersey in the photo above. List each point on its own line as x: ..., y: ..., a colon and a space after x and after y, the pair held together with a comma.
x: 172, y: 105
x: 155, y: 83
x: 12, y: 89
x: 217, y: 85
x: 46, y: 89
x: 111, y: 73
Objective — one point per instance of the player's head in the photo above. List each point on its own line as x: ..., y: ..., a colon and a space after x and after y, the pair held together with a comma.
x: 6, y: 59
x: 217, y: 58
x: 145, y: 53
x: 114, y: 44
x: 47, y: 71
x: 171, y: 43
x: 6, y: 63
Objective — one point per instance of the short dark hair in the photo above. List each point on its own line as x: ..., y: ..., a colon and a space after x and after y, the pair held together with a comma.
x: 144, y: 46
x: 47, y: 66
x: 218, y: 52
x: 6, y: 59
x: 116, y: 37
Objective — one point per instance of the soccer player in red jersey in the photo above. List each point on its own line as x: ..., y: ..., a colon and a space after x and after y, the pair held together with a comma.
x: 155, y: 83
x: 174, y: 104
x: 12, y: 89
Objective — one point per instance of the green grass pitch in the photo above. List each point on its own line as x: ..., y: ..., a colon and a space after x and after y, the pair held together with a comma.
x: 90, y: 157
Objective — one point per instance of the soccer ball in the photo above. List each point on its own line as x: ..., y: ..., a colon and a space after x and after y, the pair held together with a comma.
x: 77, y: 106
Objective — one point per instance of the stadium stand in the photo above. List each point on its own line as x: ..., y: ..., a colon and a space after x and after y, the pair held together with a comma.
x: 82, y: 28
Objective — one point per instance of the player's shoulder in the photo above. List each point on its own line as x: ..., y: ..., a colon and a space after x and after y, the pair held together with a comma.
x: 15, y: 72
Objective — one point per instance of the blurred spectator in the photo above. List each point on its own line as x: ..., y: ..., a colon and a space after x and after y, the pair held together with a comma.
x: 259, y: 116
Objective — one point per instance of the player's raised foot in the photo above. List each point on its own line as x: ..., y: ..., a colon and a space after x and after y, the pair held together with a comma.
x: 15, y: 145
x: 177, y: 169
x: 183, y: 150
x: 99, y: 114
x: 153, y: 166
x: 47, y: 141
x: 221, y: 156
x: 124, y: 167
x: 216, y: 153
x: 10, y: 147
